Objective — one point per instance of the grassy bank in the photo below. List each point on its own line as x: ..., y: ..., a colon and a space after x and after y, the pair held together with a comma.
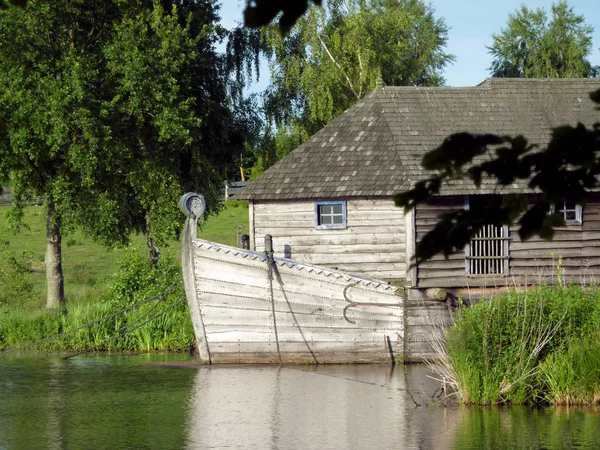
x: 538, y: 346
x: 98, y: 282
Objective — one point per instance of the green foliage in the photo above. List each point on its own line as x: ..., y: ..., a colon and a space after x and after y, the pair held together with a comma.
x: 529, y: 346
x: 137, y: 278
x: 533, y: 47
x: 111, y: 110
x: 572, y: 376
x: 333, y: 57
x: 16, y: 287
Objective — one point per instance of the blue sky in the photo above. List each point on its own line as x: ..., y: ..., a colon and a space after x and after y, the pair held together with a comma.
x: 471, y: 23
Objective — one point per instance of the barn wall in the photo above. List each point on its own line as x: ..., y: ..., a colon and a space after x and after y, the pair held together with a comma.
x: 373, y: 244
x: 531, y: 262
x: 578, y: 247
x: 439, y: 272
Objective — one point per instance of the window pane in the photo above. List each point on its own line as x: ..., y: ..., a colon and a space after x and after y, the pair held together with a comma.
x: 338, y: 219
x: 325, y: 209
x: 570, y: 215
x: 337, y: 209
x: 326, y: 220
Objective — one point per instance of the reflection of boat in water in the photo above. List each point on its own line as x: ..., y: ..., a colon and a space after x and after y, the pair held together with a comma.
x: 317, y: 407
x: 249, y: 307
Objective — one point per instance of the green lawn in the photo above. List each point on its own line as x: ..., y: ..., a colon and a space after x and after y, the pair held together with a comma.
x: 223, y: 228
x: 88, y: 265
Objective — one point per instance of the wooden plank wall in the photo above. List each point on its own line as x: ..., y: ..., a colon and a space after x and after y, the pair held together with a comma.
x: 578, y: 246
x: 439, y: 272
x: 373, y: 244
x: 531, y: 262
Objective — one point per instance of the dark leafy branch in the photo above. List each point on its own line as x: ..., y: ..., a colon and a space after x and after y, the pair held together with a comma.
x: 566, y: 170
x: 6, y: 3
x: 259, y: 13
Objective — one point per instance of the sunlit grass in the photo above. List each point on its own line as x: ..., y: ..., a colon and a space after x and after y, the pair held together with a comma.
x: 87, y: 264
x: 89, y: 270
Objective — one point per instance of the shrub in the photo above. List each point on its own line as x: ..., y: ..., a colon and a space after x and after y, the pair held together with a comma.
x: 138, y: 279
x: 17, y: 288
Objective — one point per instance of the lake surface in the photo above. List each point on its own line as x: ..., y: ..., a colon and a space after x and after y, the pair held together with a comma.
x: 127, y: 402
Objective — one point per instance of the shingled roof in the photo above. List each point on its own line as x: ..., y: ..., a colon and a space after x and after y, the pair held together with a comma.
x: 374, y: 149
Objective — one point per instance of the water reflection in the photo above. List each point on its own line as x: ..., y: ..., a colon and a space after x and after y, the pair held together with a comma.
x: 117, y: 403
x: 320, y: 407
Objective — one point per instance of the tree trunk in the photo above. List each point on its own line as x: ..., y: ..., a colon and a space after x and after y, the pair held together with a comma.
x: 54, y: 272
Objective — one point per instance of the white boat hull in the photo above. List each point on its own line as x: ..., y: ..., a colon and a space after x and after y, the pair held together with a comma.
x: 293, y: 313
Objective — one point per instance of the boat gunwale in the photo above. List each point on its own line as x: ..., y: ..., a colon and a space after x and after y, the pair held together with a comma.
x: 261, y: 256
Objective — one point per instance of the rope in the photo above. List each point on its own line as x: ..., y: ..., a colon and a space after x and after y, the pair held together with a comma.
x: 270, y: 262
x: 94, y: 322
x: 127, y: 329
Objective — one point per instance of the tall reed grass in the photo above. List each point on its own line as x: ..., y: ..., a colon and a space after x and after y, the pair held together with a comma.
x: 527, y: 346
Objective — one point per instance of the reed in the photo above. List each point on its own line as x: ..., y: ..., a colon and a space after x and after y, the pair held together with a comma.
x: 527, y: 346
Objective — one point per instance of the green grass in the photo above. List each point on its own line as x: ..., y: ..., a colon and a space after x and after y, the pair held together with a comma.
x: 88, y: 265
x: 99, y: 281
x: 223, y: 228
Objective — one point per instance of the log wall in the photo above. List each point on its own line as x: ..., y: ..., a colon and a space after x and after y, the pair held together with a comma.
x: 373, y: 244
x: 531, y: 262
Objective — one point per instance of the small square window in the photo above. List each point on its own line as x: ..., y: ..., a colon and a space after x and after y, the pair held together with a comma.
x: 571, y: 213
x: 330, y: 215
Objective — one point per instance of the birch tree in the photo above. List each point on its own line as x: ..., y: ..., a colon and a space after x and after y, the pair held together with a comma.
x: 531, y: 46
x: 333, y: 57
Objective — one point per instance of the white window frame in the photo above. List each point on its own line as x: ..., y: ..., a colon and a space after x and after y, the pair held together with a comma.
x: 564, y: 210
x: 330, y: 226
x: 478, y: 266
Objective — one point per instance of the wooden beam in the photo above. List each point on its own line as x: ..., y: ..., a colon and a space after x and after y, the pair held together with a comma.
x: 411, y: 243
x: 251, y: 225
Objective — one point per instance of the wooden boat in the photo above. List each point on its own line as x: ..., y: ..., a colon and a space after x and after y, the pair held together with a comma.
x: 251, y: 307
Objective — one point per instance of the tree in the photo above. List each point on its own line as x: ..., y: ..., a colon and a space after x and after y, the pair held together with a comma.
x: 334, y: 56
x: 108, y: 111
x: 533, y: 47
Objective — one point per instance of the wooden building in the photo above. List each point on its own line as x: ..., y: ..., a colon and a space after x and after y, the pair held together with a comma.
x: 330, y: 201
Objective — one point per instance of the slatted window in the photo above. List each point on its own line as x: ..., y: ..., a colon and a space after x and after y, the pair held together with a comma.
x: 488, y: 252
x: 330, y: 215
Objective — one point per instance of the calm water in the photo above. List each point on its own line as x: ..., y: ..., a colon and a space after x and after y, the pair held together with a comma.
x: 110, y: 402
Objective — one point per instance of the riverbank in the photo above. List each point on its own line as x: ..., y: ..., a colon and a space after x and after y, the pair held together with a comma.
x: 99, y: 283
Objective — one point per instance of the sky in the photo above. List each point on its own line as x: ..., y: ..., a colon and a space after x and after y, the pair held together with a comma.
x: 471, y: 23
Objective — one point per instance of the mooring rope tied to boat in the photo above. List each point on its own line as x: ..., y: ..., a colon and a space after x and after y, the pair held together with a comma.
x: 270, y: 262
x: 159, y: 296
x: 128, y: 329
